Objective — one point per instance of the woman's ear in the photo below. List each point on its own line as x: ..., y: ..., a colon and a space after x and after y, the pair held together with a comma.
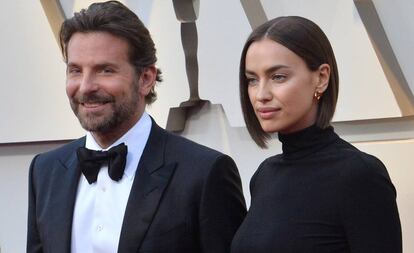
x: 324, y: 72
x: 147, y: 80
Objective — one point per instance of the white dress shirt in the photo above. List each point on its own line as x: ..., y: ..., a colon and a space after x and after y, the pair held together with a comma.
x: 100, y: 207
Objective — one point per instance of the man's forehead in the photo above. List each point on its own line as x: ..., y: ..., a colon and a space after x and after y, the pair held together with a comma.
x: 97, y: 46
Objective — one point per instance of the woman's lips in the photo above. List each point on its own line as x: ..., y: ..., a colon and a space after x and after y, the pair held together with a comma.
x: 268, y: 112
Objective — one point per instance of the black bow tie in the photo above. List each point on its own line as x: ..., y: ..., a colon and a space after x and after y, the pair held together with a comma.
x: 90, y: 162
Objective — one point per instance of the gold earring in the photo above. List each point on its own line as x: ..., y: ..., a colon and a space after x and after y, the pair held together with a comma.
x: 317, y: 95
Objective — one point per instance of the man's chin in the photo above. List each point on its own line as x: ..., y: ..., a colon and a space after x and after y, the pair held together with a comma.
x: 95, y: 125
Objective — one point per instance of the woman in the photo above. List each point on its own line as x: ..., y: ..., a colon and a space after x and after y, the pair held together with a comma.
x: 321, y: 194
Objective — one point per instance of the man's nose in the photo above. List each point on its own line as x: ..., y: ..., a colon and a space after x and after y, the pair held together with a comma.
x: 88, y: 83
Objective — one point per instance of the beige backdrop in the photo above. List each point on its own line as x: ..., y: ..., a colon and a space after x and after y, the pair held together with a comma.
x: 34, y: 105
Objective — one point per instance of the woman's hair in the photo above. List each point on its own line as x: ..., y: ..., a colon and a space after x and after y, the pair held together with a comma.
x: 309, y: 42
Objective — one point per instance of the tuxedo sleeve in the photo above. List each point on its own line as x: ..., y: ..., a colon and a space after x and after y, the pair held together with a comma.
x: 34, y: 244
x: 222, y: 206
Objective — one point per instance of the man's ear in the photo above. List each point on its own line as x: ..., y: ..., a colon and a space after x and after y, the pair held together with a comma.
x: 324, y: 72
x: 147, y: 80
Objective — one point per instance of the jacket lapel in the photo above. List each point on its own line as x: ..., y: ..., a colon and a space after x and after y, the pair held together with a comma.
x: 65, y: 188
x: 150, y: 181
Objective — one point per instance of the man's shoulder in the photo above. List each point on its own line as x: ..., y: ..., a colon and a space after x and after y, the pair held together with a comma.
x: 195, y: 161
x: 191, y: 148
x: 63, y: 151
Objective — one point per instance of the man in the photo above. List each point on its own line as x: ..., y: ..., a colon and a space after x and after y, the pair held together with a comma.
x: 173, y: 196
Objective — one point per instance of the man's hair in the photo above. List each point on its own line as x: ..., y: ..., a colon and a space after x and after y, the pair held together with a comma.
x: 115, y: 18
x: 304, y: 38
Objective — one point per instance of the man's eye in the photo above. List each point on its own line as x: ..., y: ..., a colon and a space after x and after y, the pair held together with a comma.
x: 73, y: 70
x: 107, y: 70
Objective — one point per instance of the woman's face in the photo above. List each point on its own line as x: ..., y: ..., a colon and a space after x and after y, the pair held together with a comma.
x: 281, y: 87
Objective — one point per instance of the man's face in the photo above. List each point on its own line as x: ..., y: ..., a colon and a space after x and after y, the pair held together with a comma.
x: 102, y: 85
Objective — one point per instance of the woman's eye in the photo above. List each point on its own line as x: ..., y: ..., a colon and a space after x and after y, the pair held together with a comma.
x: 278, y: 77
x: 251, y: 81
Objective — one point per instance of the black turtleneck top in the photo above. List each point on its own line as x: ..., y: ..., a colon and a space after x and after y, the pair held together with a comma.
x: 321, y: 195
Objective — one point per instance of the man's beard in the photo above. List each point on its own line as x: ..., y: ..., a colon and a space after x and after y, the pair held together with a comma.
x: 121, y: 110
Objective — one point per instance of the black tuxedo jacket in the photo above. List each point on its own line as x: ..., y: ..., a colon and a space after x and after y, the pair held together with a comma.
x: 184, y: 198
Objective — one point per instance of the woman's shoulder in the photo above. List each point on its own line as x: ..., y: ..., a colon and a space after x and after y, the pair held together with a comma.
x: 351, y: 158
x: 357, y: 162
x: 268, y: 164
x: 362, y: 170
x: 354, y: 169
x: 264, y: 167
